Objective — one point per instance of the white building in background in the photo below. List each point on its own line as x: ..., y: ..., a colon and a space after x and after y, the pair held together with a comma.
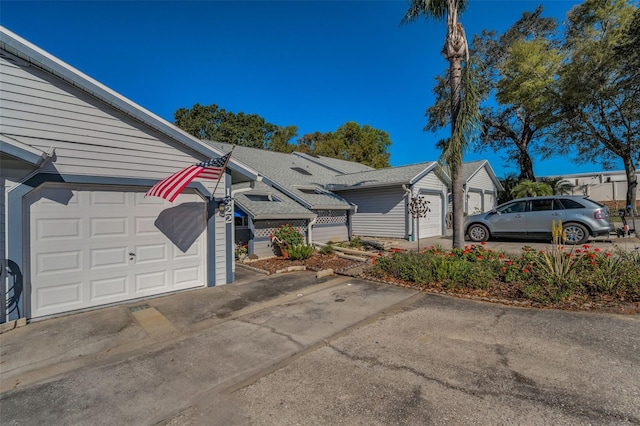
x: 609, y: 188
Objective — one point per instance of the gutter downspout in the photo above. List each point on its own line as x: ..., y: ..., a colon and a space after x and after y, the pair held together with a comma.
x: 409, y: 196
x: 352, y: 211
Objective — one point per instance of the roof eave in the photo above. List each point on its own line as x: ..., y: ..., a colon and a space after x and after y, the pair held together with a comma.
x: 423, y: 173
x: 330, y: 207
x: 23, y: 151
x: 273, y: 216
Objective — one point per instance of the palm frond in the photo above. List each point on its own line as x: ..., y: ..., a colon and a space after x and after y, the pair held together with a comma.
x: 431, y: 9
x: 469, y: 120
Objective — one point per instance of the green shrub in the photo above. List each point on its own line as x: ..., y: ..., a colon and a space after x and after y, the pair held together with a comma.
x: 327, y: 249
x: 405, y: 266
x: 542, y: 276
x: 286, y: 236
x: 355, y: 242
x: 300, y: 251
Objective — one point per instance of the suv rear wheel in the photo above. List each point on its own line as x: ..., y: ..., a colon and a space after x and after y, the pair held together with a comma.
x: 478, y: 233
x: 576, y: 233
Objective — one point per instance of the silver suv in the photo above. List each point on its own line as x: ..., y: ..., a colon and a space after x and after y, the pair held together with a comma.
x: 532, y: 217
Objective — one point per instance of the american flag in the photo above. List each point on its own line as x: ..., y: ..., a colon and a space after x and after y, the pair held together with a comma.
x: 169, y: 188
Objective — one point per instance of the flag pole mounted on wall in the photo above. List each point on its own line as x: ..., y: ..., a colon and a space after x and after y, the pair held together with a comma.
x: 170, y: 187
x: 223, y: 169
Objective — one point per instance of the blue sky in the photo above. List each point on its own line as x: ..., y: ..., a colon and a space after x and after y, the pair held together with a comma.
x: 313, y: 64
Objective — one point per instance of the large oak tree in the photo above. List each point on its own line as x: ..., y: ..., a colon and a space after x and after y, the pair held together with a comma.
x: 597, y: 110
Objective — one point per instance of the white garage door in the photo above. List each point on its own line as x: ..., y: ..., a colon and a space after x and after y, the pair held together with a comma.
x: 431, y: 224
x: 95, y: 247
x: 474, y: 202
x: 489, y: 201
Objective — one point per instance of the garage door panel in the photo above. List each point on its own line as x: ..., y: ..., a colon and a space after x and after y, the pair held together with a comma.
x: 50, y: 300
x: 184, y: 277
x: 150, y: 282
x: 114, y: 289
x: 96, y: 231
x: 58, y: 228
x: 109, y: 257
x: 151, y: 253
x: 64, y: 262
x: 106, y: 227
x: 145, y: 226
x: 109, y: 199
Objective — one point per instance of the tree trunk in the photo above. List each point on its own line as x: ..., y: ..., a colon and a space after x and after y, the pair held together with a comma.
x: 526, y: 166
x: 632, y: 184
x: 457, y: 178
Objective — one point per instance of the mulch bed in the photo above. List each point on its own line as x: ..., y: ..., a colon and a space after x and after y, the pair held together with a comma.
x: 500, y: 293
x: 316, y: 262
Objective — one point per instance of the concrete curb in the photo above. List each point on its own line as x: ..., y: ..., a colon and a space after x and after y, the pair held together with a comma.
x: 292, y: 269
x: 324, y: 273
x: 251, y: 268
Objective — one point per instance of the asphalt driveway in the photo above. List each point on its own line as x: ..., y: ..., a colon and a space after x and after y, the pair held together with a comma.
x: 292, y: 349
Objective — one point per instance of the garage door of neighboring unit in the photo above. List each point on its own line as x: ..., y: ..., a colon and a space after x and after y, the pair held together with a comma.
x: 431, y: 224
x: 474, y: 202
x: 95, y: 247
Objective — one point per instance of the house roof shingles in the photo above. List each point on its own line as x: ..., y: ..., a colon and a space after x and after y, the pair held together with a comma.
x: 382, y: 177
x: 284, y: 208
x: 340, y: 166
x: 279, y: 169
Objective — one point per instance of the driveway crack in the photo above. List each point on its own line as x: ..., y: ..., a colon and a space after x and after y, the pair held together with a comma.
x: 375, y: 362
x: 275, y: 331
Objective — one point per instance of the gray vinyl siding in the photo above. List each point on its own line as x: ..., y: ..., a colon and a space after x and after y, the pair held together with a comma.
x: 89, y: 136
x: 331, y: 225
x: 263, y: 248
x: 221, y: 238
x: 430, y: 182
x: 381, y: 212
x: 482, y: 180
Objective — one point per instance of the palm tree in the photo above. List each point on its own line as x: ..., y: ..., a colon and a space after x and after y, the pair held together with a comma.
x: 527, y: 188
x: 560, y: 185
x: 465, y: 113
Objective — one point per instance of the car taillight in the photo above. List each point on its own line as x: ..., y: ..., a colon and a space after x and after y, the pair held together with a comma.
x: 599, y: 214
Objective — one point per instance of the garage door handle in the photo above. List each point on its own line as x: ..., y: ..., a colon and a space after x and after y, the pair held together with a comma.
x: 132, y: 254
